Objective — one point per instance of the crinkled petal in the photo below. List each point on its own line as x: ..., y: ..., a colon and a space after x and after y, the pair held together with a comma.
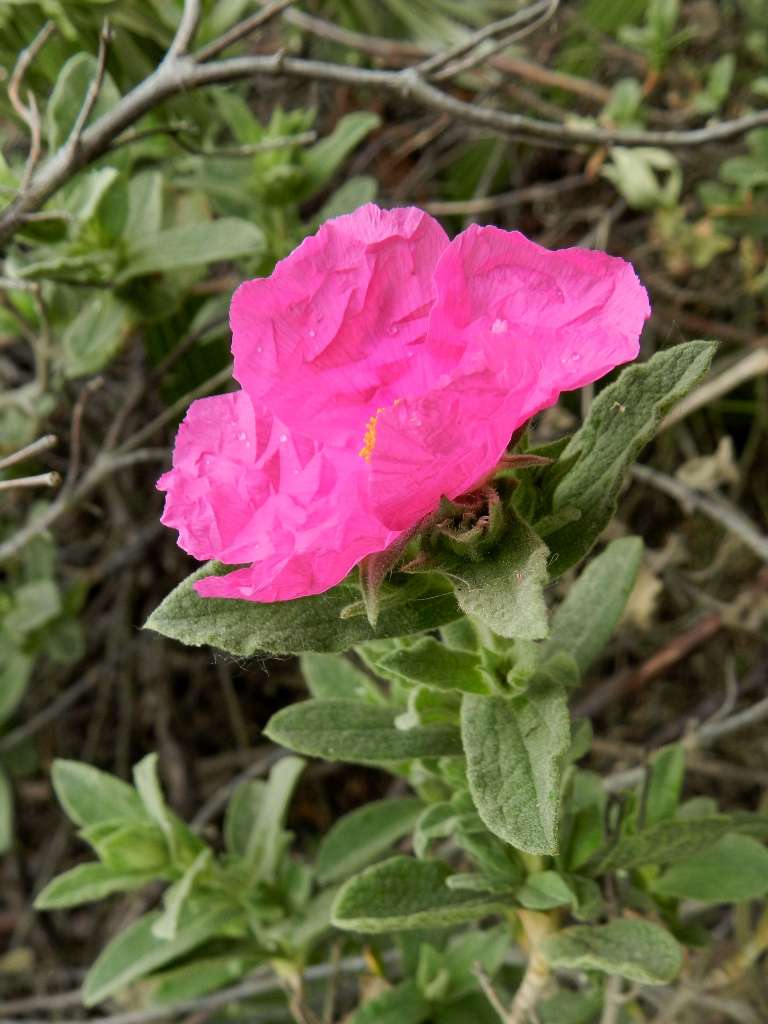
x: 532, y: 323
x: 579, y: 312
x: 245, y: 488
x: 339, y: 328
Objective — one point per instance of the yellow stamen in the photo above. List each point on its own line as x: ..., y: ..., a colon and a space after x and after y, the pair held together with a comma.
x: 369, y: 438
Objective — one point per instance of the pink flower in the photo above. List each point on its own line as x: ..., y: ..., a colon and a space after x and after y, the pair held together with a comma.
x: 382, y: 366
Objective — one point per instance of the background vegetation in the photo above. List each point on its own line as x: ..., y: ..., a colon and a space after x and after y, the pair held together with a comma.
x: 113, y: 303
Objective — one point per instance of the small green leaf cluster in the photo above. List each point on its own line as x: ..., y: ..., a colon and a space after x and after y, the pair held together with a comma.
x: 249, y: 904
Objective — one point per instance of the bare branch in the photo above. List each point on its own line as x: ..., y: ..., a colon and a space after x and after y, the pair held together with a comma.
x: 448, y: 63
x: 241, y: 30
x: 41, y: 480
x: 42, y: 444
x: 190, y: 19
x: 92, y: 93
x: 29, y: 113
x: 486, y: 204
x: 713, y: 506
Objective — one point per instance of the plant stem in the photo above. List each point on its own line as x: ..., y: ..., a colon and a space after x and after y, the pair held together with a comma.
x: 536, y: 926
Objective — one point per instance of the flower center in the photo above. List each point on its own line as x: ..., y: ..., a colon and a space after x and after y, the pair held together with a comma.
x: 369, y: 438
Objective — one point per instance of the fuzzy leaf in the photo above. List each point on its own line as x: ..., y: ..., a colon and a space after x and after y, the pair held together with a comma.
x: 733, y: 869
x: 86, y: 883
x: 623, y: 419
x: 668, y: 842
x: 505, y: 589
x: 404, y: 893
x: 332, y: 677
x: 192, y: 245
x: 137, y: 951
x: 342, y: 730
x: 90, y: 796
x: 584, y: 622
x: 430, y: 663
x: 307, y: 624
x: 514, y: 749
x: 363, y: 835
x: 633, y: 949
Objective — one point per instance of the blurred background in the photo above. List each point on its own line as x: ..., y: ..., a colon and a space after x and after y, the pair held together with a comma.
x: 113, y: 316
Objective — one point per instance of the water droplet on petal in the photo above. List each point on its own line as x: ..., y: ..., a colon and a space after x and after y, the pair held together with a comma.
x: 499, y: 327
x: 246, y: 591
x: 241, y: 436
x: 311, y: 333
x: 394, y: 329
x: 575, y: 357
x: 283, y: 438
x: 258, y: 348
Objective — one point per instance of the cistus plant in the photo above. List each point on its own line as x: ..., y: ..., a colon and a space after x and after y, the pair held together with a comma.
x: 373, y: 488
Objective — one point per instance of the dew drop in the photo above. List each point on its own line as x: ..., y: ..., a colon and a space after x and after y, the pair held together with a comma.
x: 246, y: 591
x: 241, y: 436
x: 394, y: 329
x: 499, y: 327
x: 311, y: 332
x: 575, y: 357
x: 258, y: 348
x: 283, y: 438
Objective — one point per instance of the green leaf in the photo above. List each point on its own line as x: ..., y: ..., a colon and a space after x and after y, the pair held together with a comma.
x: 333, y: 677
x: 514, y: 749
x: 95, y: 335
x: 585, y: 820
x: 404, y: 893
x: 130, y: 847
x: 15, y: 672
x: 192, y: 245
x: 321, y: 161
x: 403, y: 1004
x: 72, y: 84
x: 90, y: 796
x: 505, y: 589
x: 432, y: 664
x: 342, y: 730
x: 203, y: 975
x: 633, y: 949
x: 265, y: 844
x: 665, y: 843
x: 87, y: 883
x: 733, y: 869
x: 175, y: 898
x: 665, y: 784
x: 34, y: 605
x: 363, y: 835
x: 584, y: 622
x: 145, y: 206
x: 6, y: 812
x: 621, y: 421
x: 544, y: 890
x: 151, y: 795
x: 294, y: 627
x: 137, y: 951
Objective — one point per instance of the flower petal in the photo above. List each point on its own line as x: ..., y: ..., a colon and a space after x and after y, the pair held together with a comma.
x: 532, y: 323
x: 245, y: 488
x: 580, y: 312
x: 339, y: 327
